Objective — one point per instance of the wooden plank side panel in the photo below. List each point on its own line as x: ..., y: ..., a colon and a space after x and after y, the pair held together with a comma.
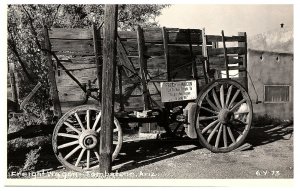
x: 151, y: 35
x: 83, y: 75
x: 222, y: 67
x: 82, y: 48
x: 153, y: 49
x: 70, y: 33
x: 154, y: 35
x: 155, y: 66
x: 216, y: 38
x: 78, y: 60
x: 72, y: 93
x: 181, y: 67
x: 72, y: 45
x: 219, y: 60
x: 183, y: 30
x: 71, y: 53
x: 75, y: 96
x: 133, y: 104
x: 230, y: 50
x: 78, y: 66
x: 152, y: 62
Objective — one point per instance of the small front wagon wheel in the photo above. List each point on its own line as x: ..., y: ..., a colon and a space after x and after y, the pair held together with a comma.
x: 223, y: 116
x: 76, y: 139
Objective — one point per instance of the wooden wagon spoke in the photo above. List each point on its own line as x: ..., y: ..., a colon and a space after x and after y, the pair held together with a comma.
x: 238, y: 130
x: 244, y: 118
x: 96, y: 153
x: 79, y: 121
x: 88, y: 157
x: 241, y: 112
x: 218, y: 136
x: 88, y: 119
x: 96, y: 121
x: 207, y: 118
x: 209, y: 126
x: 70, y: 121
x: 228, y: 96
x: 72, y: 152
x: 211, y: 104
x: 225, y: 136
x: 222, y: 96
x: 72, y: 127
x: 68, y: 135
x: 238, y: 104
x: 98, y: 130
x: 216, y: 99
x: 68, y: 144
x: 241, y: 135
x: 209, y: 110
x: 213, y: 132
x: 115, y: 130
x: 230, y: 134
x: 234, y: 97
x: 240, y: 122
x: 80, y: 157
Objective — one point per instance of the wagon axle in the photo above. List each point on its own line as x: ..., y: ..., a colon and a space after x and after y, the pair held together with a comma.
x: 89, y: 139
x: 225, y: 116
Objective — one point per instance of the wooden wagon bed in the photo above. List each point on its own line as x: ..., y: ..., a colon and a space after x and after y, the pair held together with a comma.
x: 166, y: 54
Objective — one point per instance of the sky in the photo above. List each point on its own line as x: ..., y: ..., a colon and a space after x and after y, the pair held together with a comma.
x: 253, y: 19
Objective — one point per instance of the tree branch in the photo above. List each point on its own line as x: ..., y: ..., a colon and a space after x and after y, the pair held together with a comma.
x: 55, y: 15
x: 13, y: 48
x: 33, y: 31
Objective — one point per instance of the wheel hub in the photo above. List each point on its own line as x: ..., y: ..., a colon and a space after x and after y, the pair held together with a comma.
x: 225, y: 115
x: 88, y: 139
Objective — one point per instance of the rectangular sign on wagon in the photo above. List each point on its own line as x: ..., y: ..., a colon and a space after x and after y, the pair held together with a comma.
x: 178, y: 91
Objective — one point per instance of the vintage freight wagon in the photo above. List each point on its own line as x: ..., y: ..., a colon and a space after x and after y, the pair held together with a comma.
x: 180, y: 79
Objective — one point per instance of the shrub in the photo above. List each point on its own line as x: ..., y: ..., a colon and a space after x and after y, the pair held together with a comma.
x: 32, y: 159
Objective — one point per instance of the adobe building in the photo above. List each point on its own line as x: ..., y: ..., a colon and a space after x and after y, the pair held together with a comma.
x: 270, y: 69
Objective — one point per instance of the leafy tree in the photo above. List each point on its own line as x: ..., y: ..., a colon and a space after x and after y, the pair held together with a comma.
x: 25, y: 36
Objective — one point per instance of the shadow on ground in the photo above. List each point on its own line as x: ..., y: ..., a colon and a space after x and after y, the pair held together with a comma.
x: 259, y: 136
x: 144, y: 152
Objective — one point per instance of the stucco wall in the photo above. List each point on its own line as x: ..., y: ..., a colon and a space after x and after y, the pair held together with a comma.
x: 270, y: 68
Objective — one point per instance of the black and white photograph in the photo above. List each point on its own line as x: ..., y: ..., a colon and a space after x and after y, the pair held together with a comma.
x: 111, y: 93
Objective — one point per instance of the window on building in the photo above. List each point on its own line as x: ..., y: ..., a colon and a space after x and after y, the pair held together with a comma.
x: 276, y: 93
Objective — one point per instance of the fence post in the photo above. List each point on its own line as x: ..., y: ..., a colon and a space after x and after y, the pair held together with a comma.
x: 108, y: 87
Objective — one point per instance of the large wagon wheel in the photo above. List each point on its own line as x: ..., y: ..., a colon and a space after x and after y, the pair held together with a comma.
x: 223, y: 116
x: 75, y: 138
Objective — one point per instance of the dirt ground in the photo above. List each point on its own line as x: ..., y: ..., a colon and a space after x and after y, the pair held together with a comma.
x: 270, y: 155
